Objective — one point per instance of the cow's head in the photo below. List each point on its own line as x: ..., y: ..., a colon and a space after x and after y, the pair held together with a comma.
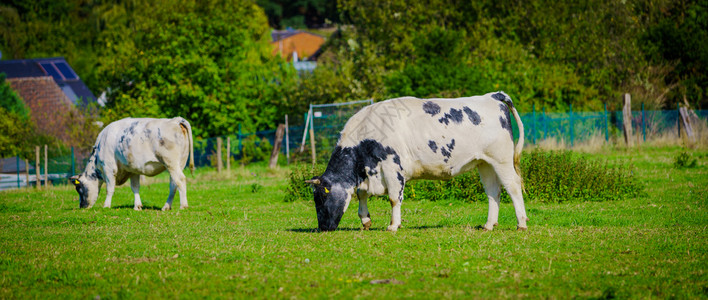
x: 331, y: 200
x: 87, y: 189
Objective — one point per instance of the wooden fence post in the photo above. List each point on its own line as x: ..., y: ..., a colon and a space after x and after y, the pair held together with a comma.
x: 287, y: 141
x: 627, y: 119
x: 276, y: 146
x: 533, y: 124
x: 37, y: 170
x: 73, y: 162
x: 46, y: 167
x: 228, y: 154
x: 312, y: 145
x: 683, y: 112
x: 17, y: 160
x: 644, y: 124
x: 607, y: 120
x: 218, y: 155
x: 545, y: 124
x: 27, y: 173
x: 572, y: 126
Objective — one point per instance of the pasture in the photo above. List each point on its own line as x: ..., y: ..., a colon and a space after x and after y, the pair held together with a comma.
x: 239, y: 239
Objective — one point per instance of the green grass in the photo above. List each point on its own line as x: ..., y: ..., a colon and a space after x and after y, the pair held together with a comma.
x: 239, y: 239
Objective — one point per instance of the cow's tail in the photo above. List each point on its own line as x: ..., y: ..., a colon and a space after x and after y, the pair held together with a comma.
x: 185, y: 124
x: 520, y: 143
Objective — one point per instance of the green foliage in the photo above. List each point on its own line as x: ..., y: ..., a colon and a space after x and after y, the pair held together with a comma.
x: 684, y: 160
x: 562, y: 176
x: 297, y: 189
x: 679, y: 37
x: 255, y: 150
x: 210, y: 63
x: 14, y: 131
x: 17, y: 130
x: 255, y: 188
x: 299, y: 13
x: 10, y: 101
x: 547, y: 54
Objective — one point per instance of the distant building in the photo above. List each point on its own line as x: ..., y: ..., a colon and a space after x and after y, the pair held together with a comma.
x: 51, y: 89
x: 57, y: 68
x: 298, y: 47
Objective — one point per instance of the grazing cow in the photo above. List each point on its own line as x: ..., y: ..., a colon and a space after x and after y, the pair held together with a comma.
x: 391, y: 142
x: 129, y: 148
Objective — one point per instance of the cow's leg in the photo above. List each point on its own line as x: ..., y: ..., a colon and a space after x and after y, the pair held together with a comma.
x: 363, y: 209
x: 110, y: 188
x: 395, y: 184
x: 135, y: 186
x: 173, y: 189
x: 512, y: 183
x: 492, y: 189
x: 181, y: 182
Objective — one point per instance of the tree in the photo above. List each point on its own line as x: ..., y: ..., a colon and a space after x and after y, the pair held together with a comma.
x: 208, y: 62
x: 17, y: 131
x: 300, y: 13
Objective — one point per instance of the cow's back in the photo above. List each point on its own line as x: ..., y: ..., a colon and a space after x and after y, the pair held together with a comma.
x: 143, y: 145
x: 435, y: 138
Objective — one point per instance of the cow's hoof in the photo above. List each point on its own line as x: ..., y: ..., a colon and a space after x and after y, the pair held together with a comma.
x: 166, y: 207
x: 183, y: 206
x: 367, y: 225
x: 392, y: 228
x: 519, y: 228
x: 138, y: 207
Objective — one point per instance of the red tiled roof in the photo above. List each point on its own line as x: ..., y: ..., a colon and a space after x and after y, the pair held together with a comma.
x: 304, y: 43
x: 50, y: 108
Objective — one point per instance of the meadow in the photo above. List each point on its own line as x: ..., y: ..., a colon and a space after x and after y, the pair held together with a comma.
x: 240, y: 239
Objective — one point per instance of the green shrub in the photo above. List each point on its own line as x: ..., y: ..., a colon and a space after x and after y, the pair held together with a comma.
x: 255, y: 150
x: 683, y: 160
x: 563, y: 176
x: 297, y: 189
x: 549, y: 177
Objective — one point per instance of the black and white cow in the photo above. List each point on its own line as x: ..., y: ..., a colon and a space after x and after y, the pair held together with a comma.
x: 128, y: 148
x: 391, y: 142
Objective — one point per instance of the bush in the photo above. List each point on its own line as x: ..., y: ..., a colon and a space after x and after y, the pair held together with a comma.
x: 549, y: 177
x: 297, y: 189
x: 255, y: 150
x: 683, y: 160
x: 562, y: 176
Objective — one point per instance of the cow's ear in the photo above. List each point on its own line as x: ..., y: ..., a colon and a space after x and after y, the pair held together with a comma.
x: 75, y: 180
x: 315, y: 180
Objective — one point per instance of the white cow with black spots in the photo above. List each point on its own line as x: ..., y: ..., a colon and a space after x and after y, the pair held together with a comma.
x: 391, y: 142
x: 128, y: 148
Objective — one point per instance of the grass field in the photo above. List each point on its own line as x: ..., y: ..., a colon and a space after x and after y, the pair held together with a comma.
x: 239, y: 239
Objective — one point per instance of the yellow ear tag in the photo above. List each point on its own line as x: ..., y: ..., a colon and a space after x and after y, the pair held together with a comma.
x: 326, y: 191
x: 76, y: 181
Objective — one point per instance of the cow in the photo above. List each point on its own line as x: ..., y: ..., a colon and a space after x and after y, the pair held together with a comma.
x: 131, y: 147
x: 389, y: 143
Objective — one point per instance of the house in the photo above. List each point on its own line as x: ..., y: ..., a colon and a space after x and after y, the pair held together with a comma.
x: 57, y: 68
x: 298, y: 47
x: 51, y: 90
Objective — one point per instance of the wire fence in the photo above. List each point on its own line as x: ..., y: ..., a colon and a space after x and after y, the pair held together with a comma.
x: 241, y: 148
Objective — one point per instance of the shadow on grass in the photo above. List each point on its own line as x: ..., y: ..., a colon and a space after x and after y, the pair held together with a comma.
x: 307, y: 230
x: 145, y: 207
